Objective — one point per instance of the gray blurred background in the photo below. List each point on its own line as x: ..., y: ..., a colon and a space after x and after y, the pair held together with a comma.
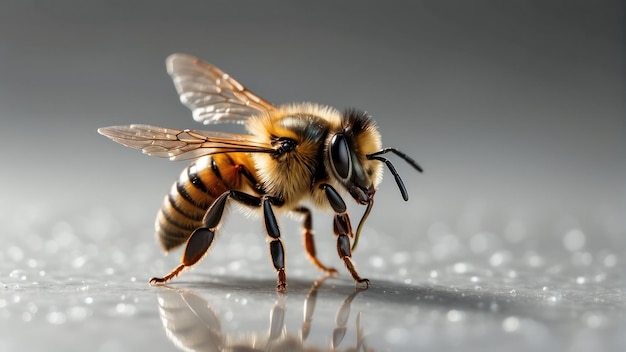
x: 515, y: 109
x: 510, y: 103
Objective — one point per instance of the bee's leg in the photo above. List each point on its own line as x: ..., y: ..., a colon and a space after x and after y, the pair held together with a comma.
x: 197, y: 246
x: 277, y: 250
x: 201, y: 239
x: 309, y: 308
x: 343, y: 229
x: 309, y: 243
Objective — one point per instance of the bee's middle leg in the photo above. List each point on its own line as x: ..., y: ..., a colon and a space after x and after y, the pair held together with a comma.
x: 309, y: 242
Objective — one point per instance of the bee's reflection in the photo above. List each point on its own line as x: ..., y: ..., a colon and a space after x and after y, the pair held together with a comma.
x: 192, y: 325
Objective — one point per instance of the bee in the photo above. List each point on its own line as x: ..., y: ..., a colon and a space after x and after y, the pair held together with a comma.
x: 294, y: 153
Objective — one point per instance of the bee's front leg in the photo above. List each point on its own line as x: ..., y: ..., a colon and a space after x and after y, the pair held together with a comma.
x: 343, y: 229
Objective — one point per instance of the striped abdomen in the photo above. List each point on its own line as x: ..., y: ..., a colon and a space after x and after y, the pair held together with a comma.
x: 198, y: 186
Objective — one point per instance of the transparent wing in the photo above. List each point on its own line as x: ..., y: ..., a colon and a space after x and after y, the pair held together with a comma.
x: 212, y: 95
x: 183, y: 144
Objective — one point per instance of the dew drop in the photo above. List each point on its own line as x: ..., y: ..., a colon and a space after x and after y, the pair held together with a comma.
x: 56, y: 318
x: 454, y: 315
x: 77, y: 313
x: 574, y: 240
x: 510, y: 324
x: 397, y: 336
x: 460, y: 268
x: 18, y: 274
x: 15, y: 253
x: 377, y: 261
x: 125, y: 309
x: 610, y: 260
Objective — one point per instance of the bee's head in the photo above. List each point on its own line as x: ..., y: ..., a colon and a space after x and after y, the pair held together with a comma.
x: 347, y: 152
x: 354, y: 158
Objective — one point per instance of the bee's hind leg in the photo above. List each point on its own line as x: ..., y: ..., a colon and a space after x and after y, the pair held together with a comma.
x: 200, y: 240
x: 309, y: 241
x: 197, y: 246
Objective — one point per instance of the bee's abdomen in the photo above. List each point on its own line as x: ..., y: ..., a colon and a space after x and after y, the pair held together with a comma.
x: 193, y: 193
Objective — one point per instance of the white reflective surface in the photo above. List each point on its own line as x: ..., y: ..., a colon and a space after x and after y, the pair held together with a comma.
x: 81, y: 284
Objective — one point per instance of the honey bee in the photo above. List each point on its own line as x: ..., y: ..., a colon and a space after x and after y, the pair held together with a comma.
x: 293, y: 153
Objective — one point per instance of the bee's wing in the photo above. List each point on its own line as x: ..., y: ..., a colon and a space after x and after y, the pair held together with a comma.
x: 212, y: 95
x: 183, y: 144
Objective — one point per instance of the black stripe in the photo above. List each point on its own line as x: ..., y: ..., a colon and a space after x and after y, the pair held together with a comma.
x: 171, y: 236
x: 172, y: 221
x: 171, y: 230
x: 216, y: 170
x: 182, y: 190
x: 192, y: 173
x: 172, y: 201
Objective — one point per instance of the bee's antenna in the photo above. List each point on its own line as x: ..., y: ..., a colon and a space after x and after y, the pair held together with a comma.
x: 399, y: 153
x: 396, y: 176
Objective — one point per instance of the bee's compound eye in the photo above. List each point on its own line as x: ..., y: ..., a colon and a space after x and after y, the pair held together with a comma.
x: 340, y: 156
x: 288, y: 144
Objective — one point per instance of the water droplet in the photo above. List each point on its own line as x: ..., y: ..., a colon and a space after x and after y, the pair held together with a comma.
x: 434, y: 274
x: 533, y: 259
x: 88, y: 300
x: 593, y: 320
x: 513, y: 292
x: 63, y: 234
x: 581, y: 280
x: 582, y: 258
x: 125, y: 309
x: 574, y: 240
x: 15, y: 253
x: 377, y: 261
x: 479, y: 243
x: 56, y: 318
x: 515, y: 231
x: 396, y: 336
x: 510, y: 324
x: 610, y: 260
x: 77, y: 313
x: 499, y: 258
x: 460, y: 268
x: 79, y: 262
x: 18, y: 274
x: 555, y: 297
x: 454, y: 315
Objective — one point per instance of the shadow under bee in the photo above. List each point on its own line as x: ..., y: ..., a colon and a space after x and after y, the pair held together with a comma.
x: 192, y: 324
